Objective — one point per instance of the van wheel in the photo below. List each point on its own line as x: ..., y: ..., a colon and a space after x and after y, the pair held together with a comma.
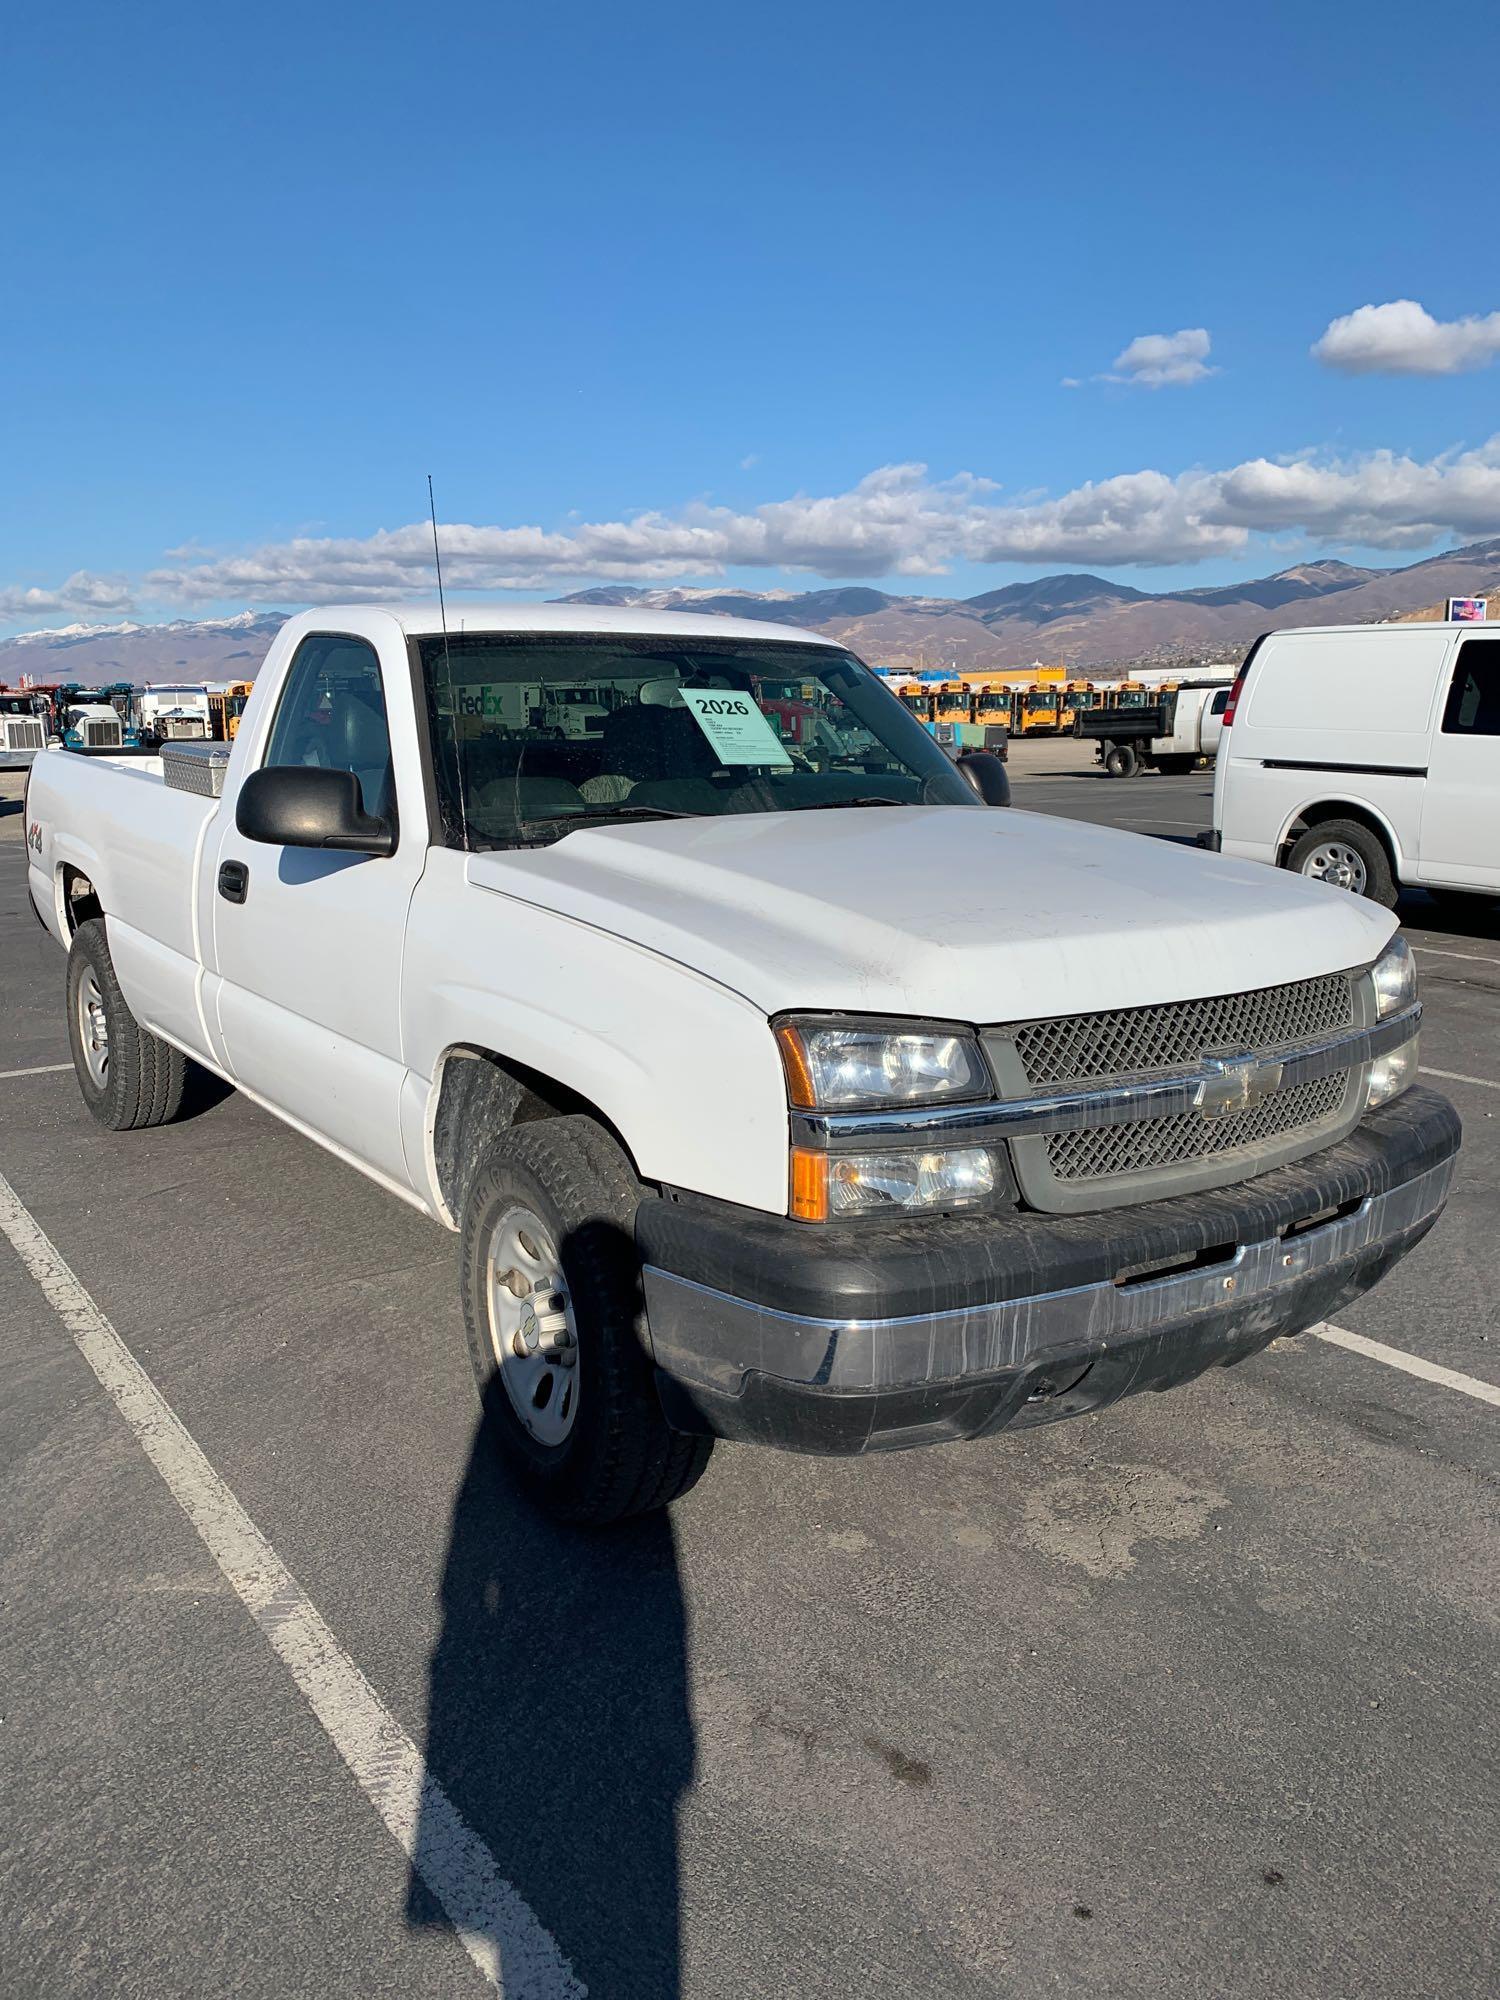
x: 128, y: 1076
x: 1120, y: 761
x: 555, y: 1321
x: 1346, y: 855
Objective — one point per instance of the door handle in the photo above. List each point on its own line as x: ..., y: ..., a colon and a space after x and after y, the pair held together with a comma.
x: 234, y: 881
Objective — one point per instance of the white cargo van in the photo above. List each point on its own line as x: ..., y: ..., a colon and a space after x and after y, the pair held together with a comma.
x: 1367, y: 756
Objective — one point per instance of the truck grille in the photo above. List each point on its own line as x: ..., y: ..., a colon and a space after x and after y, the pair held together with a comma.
x: 185, y: 729
x: 1145, y: 1159
x: 101, y: 735
x: 22, y: 736
x: 1105, y: 1150
x: 1087, y: 1047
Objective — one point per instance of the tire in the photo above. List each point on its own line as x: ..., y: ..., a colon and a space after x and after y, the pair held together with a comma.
x: 129, y: 1077
x: 1121, y: 761
x: 593, y: 1447
x: 1346, y: 855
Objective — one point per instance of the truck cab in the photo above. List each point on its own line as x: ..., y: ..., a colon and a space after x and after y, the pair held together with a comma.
x: 92, y: 724
x: 23, y: 730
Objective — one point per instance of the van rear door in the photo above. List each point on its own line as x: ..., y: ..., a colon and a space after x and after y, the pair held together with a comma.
x: 1460, y: 840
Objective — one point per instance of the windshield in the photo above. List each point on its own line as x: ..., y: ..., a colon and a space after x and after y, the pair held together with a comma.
x: 533, y: 732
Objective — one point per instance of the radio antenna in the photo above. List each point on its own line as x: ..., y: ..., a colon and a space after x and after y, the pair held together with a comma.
x: 458, y: 762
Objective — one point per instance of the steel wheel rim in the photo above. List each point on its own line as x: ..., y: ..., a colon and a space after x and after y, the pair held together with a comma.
x: 533, y: 1336
x: 93, y: 1029
x: 1336, y: 862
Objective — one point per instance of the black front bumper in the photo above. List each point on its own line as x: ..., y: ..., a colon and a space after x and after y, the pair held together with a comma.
x: 843, y: 1340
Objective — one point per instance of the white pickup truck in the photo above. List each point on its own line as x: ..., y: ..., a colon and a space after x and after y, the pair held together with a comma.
x: 1168, y: 735
x: 778, y: 1089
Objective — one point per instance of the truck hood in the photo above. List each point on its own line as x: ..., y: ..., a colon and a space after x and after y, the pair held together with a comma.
x: 944, y: 912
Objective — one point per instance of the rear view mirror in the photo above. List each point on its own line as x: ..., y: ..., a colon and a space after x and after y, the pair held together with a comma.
x: 987, y: 775
x: 301, y: 805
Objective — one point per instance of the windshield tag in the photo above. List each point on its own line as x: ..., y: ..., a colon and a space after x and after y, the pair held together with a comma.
x: 736, y: 729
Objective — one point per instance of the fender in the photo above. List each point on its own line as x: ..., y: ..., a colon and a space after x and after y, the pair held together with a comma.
x: 1360, y: 805
x: 683, y: 1067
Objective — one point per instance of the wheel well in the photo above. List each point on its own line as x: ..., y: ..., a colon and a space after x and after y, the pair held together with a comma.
x: 480, y: 1093
x: 1328, y: 809
x: 80, y: 899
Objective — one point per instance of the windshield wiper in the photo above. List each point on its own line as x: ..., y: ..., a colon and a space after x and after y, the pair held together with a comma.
x: 873, y: 799
x: 624, y: 810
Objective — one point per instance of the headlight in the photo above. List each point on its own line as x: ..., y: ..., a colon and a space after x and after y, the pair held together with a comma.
x: 1395, y: 978
x: 843, y: 1067
x: 833, y: 1187
x: 1390, y: 1074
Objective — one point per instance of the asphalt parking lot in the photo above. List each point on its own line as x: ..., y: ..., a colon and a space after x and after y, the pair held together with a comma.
x: 1193, y: 1697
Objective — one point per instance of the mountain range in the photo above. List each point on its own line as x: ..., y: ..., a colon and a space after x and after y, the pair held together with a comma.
x: 1086, y: 621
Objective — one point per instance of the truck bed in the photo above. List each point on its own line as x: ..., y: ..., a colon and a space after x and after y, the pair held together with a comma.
x: 1121, y: 725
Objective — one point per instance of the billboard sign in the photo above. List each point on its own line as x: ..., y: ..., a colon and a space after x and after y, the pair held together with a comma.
x: 1468, y: 610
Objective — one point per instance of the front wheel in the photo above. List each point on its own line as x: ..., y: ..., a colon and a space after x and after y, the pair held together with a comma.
x: 1121, y: 761
x: 555, y: 1323
x: 128, y: 1076
x: 1345, y: 855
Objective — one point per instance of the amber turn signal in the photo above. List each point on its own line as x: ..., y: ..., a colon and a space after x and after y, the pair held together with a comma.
x: 809, y: 1185
x: 799, y: 1081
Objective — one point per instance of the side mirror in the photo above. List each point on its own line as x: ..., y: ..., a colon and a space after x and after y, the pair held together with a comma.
x: 300, y: 805
x: 987, y: 775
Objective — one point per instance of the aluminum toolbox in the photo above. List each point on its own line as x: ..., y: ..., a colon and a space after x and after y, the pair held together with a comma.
x: 195, y: 767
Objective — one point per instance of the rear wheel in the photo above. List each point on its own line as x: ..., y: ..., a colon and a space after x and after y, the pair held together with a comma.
x: 1121, y: 761
x: 1346, y: 855
x: 555, y: 1323
x: 128, y: 1076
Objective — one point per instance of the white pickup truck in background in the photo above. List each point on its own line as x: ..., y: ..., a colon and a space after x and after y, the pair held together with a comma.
x: 779, y: 1089
x: 1169, y: 734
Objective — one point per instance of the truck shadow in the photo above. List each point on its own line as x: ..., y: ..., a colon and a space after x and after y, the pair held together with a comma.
x: 1457, y: 917
x: 558, y: 1725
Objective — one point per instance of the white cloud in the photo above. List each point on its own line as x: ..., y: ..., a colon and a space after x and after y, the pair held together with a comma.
x: 1403, y: 338
x: 1164, y: 360
x: 897, y: 521
x: 81, y: 592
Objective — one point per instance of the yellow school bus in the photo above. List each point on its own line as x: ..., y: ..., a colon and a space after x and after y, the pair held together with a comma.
x: 1131, y: 694
x: 953, y: 701
x: 916, y: 697
x: 1039, y: 704
x: 994, y: 703
x: 225, y: 707
x: 1078, y: 696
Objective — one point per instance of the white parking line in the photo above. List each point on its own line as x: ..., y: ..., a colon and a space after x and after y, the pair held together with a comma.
x: 1409, y: 1364
x: 1473, y: 957
x: 498, y: 1929
x: 41, y: 1069
x: 1457, y: 1076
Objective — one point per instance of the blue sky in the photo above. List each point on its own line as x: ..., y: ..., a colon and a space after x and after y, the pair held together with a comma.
x: 268, y: 267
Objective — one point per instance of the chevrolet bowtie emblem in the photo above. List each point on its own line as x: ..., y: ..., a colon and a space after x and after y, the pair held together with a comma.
x: 1235, y: 1083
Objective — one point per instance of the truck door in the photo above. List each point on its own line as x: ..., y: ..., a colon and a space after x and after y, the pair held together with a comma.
x: 1460, y: 832
x: 307, y: 942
